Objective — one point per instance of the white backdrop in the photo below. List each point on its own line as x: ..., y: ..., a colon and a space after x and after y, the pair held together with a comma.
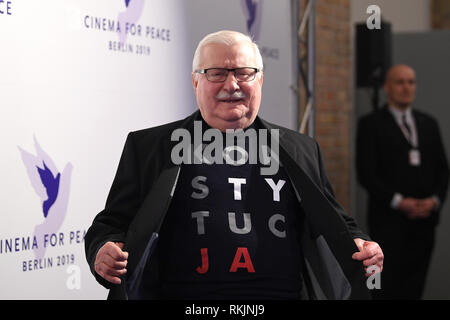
x: 69, y: 94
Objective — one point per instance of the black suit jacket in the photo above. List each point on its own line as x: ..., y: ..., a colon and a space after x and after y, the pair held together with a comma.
x: 143, y: 187
x: 383, y: 169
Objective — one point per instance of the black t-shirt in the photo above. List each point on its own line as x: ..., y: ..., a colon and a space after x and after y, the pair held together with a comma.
x: 231, y: 233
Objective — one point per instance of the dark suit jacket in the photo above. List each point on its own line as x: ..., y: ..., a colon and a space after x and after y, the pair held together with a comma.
x: 143, y: 187
x: 382, y: 161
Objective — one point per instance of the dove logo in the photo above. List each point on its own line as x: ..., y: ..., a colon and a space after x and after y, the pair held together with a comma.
x: 253, y: 13
x: 51, y: 184
x: 52, y: 187
x: 129, y: 18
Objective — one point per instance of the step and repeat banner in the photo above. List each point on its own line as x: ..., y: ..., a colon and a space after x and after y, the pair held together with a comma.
x: 75, y: 77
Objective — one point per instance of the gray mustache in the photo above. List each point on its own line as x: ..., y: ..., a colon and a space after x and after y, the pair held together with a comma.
x: 223, y: 95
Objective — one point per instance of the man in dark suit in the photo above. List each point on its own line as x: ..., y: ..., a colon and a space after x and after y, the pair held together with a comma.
x: 196, y: 230
x: 401, y: 163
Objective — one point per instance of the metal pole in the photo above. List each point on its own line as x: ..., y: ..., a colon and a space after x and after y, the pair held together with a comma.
x: 311, y: 68
x: 295, y: 18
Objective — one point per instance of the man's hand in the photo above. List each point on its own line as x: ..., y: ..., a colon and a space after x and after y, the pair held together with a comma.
x: 426, y: 206
x: 370, y: 254
x: 111, y: 261
x: 409, y: 206
x: 417, y: 208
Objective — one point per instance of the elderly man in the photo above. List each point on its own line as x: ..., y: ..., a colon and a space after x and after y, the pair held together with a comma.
x: 402, y: 164
x: 224, y: 230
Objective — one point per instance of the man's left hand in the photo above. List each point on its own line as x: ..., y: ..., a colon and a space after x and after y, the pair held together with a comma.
x: 370, y: 254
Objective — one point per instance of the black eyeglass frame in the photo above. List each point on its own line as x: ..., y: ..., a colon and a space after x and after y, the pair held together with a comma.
x: 204, y: 71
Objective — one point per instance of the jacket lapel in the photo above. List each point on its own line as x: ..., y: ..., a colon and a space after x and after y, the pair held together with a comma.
x: 142, y: 234
x: 419, y: 127
x: 392, y: 126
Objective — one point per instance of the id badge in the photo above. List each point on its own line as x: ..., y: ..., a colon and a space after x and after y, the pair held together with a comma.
x: 414, y: 157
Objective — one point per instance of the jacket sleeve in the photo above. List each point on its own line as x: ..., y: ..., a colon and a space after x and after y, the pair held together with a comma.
x: 111, y: 224
x: 352, y: 226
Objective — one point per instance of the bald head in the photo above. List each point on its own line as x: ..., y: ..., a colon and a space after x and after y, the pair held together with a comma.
x: 400, y: 86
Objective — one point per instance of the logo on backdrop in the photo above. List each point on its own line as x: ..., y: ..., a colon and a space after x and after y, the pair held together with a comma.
x: 129, y: 17
x: 127, y: 29
x: 253, y: 13
x: 253, y: 10
x: 52, y: 187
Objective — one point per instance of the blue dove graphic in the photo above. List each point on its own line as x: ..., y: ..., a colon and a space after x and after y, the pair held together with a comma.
x: 251, y: 6
x: 51, y: 185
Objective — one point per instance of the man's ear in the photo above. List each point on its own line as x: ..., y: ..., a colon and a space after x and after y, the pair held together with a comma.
x: 194, y: 80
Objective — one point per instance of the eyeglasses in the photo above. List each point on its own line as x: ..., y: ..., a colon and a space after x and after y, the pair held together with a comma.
x: 221, y: 74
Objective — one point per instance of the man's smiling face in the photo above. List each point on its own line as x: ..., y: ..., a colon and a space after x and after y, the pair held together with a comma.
x: 229, y: 104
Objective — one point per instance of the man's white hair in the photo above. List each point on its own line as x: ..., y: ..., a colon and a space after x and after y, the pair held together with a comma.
x: 229, y: 38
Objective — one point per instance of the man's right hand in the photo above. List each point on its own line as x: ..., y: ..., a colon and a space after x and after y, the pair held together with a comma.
x: 111, y: 262
x: 416, y: 208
